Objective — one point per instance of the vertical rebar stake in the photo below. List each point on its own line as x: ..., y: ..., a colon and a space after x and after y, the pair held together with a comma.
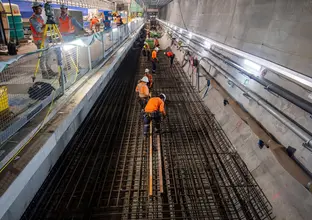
x: 150, y: 190
x: 161, y: 188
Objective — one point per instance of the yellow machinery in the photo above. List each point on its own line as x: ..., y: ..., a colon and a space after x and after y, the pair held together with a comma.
x: 4, y: 99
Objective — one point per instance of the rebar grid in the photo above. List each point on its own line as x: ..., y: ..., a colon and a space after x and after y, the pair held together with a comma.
x: 104, y: 171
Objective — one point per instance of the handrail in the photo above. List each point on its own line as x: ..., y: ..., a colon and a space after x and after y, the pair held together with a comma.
x: 293, y: 75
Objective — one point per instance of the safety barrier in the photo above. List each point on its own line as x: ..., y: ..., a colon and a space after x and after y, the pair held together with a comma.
x: 30, y: 82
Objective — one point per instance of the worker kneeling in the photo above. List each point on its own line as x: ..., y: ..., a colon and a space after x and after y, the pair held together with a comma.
x: 154, y: 108
x: 143, y: 91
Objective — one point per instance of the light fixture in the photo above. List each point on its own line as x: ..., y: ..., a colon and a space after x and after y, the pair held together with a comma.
x: 252, y: 65
x: 207, y: 45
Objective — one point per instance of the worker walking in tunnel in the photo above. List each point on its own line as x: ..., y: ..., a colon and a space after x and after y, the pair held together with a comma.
x: 37, y: 28
x: 154, y: 108
x: 154, y: 59
x: 171, y: 56
x: 143, y: 91
x: 150, y: 78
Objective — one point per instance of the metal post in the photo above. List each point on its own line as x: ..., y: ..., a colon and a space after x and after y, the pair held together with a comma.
x: 17, y: 43
x: 103, y: 42
x: 89, y: 56
x: 62, y: 80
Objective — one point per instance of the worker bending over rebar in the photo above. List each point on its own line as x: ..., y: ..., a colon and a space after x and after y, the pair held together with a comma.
x: 171, y: 56
x: 143, y: 91
x: 154, y: 108
x: 150, y: 78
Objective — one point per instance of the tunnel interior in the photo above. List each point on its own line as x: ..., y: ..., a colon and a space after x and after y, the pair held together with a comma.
x: 109, y: 170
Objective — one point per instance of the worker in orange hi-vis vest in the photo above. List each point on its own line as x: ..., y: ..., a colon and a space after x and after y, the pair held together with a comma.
x: 68, y: 27
x: 171, y: 56
x: 37, y: 28
x: 154, y: 108
x: 154, y: 59
x: 143, y: 91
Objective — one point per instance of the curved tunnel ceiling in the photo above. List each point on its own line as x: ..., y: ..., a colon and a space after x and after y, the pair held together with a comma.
x: 153, y: 3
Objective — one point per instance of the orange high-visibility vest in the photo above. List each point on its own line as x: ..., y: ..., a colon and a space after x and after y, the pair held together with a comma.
x: 169, y: 54
x: 155, y: 104
x: 66, y: 26
x: 36, y: 36
x: 154, y: 54
x: 142, y: 89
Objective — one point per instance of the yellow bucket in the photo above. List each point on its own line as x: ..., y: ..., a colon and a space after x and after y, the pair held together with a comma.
x: 4, y: 99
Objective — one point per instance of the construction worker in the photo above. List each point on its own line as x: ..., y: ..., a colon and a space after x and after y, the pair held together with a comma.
x: 143, y: 91
x: 147, y: 51
x: 96, y: 23
x: 119, y: 20
x: 37, y: 28
x: 154, y: 108
x: 156, y: 42
x: 171, y: 56
x: 154, y: 59
x: 68, y: 25
x: 150, y: 78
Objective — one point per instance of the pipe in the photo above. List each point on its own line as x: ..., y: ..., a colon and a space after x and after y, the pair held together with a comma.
x: 292, y: 126
x: 295, y: 99
x: 278, y: 150
x: 295, y: 76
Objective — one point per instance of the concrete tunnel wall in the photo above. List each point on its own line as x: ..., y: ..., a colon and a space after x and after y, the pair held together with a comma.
x: 290, y: 200
x: 277, y: 30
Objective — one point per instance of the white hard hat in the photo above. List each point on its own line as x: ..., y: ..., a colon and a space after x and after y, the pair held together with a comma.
x: 144, y: 79
x: 162, y: 96
x: 157, y: 49
x: 146, y: 70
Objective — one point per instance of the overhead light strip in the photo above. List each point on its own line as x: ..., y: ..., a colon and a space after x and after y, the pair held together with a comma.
x: 296, y: 76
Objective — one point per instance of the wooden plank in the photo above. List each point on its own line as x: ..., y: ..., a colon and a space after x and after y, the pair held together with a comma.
x: 151, y: 162
x: 161, y: 186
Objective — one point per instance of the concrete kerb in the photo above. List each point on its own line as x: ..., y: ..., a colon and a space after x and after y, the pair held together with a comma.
x: 20, y: 193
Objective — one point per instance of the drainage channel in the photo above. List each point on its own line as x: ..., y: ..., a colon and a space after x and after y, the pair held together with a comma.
x: 105, y: 170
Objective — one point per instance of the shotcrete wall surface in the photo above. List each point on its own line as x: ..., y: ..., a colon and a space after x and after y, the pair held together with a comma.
x: 277, y: 30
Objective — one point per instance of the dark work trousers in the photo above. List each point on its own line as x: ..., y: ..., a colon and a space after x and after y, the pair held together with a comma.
x: 155, y: 117
x: 143, y: 102
x: 154, y: 65
x: 148, y: 54
x: 171, y: 60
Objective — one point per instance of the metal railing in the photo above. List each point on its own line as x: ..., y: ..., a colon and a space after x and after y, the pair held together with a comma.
x: 30, y: 82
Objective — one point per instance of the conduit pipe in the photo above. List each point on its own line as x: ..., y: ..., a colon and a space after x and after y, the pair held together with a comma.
x: 295, y: 99
x: 292, y: 126
x: 278, y: 150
